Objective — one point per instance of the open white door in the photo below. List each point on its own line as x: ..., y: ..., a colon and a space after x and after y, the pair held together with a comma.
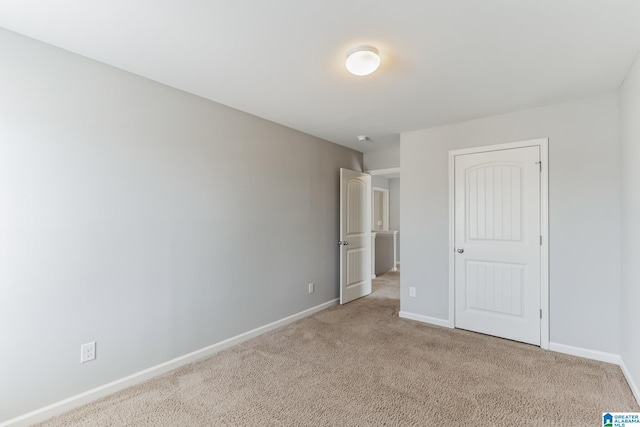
x: 498, y: 240
x: 355, y: 235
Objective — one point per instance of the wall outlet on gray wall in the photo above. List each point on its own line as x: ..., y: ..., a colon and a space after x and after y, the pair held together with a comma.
x: 88, y: 352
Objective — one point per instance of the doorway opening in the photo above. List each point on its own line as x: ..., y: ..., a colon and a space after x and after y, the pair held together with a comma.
x: 385, y: 212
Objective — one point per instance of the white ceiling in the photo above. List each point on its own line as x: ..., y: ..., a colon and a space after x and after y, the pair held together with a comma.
x: 443, y: 61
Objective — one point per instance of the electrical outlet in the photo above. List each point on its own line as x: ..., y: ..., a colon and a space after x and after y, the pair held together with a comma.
x: 412, y: 291
x: 88, y: 352
x: 311, y: 287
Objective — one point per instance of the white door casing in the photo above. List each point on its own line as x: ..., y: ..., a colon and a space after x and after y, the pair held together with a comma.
x: 380, y: 209
x: 499, y: 242
x: 355, y: 235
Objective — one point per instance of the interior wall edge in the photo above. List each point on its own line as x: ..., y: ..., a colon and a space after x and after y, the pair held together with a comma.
x: 635, y: 388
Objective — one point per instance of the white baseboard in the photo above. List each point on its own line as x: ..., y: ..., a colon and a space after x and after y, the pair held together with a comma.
x: 586, y: 353
x: 632, y: 385
x: 560, y: 348
x: 425, y: 319
x: 139, y: 377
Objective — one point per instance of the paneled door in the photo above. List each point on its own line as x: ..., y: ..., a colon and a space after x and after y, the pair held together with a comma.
x: 498, y: 243
x: 355, y: 235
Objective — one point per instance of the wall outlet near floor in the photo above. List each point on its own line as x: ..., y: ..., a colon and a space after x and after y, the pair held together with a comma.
x: 412, y: 291
x: 311, y: 287
x: 88, y: 352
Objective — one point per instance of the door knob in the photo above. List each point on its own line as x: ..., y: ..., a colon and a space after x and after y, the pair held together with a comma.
x: 460, y: 250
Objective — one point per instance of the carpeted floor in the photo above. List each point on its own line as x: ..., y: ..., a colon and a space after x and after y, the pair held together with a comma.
x: 358, y: 365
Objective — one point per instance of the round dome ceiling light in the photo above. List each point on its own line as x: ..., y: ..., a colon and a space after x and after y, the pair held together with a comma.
x: 362, y: 60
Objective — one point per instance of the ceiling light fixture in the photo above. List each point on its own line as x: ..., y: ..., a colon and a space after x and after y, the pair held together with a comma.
x: 363, y: 60
x: 363, y: 138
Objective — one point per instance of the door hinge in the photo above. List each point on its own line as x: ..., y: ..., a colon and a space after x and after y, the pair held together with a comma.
x: 541, y: 313
x: 540, y: 165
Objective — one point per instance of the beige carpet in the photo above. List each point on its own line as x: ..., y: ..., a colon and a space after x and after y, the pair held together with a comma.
x: 359, y: 365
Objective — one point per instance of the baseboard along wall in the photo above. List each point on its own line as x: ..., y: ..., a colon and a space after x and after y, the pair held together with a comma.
x: 139, y: 377
x: 635, y: 389
x: 426, y: 319
x: 586, y: 353
x: 600, y: 356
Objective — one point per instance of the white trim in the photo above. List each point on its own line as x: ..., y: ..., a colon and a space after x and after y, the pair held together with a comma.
x: 139, y: 377
x: 500, y: 147
x: 600, y: 356
x: 452, y: 241
x: 585, y: 353
x: 543, y: 143
x: 426, y: 319
x: 373, y: 254
x: 386, y: 232
x: 632, y: 385
x: 544, y: 250
x: 387, y: 171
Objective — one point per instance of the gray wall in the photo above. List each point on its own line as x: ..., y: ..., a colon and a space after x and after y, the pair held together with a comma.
x: 630, y: 321
x: 585, y: 197
x: 148, y: 219
x: 384, y: 254
x: 379, y: 182
x: 383, y: 159
x: 394, y: 210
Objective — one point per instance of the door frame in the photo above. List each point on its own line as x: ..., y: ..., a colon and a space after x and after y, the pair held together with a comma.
x: 385, y: 208
x: 543, y: 143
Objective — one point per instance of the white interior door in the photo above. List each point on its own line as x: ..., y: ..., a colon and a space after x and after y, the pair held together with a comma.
x: 498, y: 243
x: 355, y: 235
